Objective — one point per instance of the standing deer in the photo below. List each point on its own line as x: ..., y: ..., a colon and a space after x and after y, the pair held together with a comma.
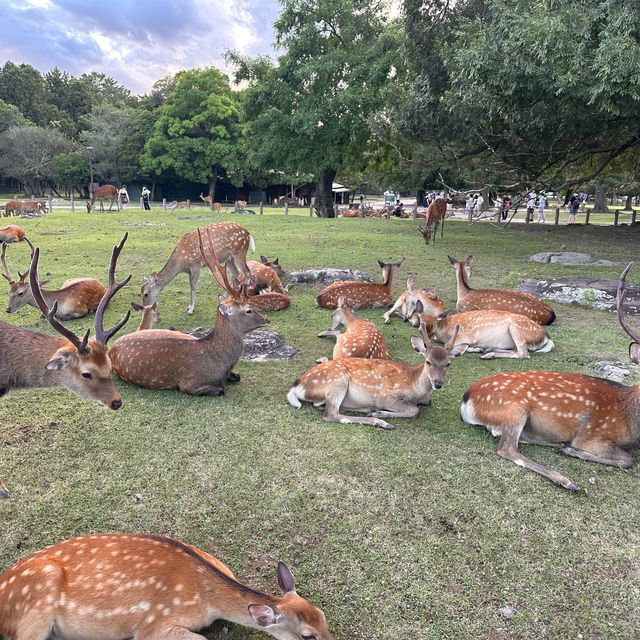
x: 158, y: 359
x: 360, y: 294
x: 115, y: 586
x: 105, y: 192
x: 500, y: 299
x: 208, y: 200
x: 634, y: 347
x: 13, y: 233
x: 405, y: 305
x: 435, y: 217
x: 499, y: 334
x: 77, y: 297
x: 230, y: 242
x: 381, y: 388
x: 150, y: 315
x: 361, y: 339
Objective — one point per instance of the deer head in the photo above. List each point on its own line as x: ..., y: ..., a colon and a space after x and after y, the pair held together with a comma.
x: 274, y: 264
x: 341, y: 315
x: 20, y: 293
x: 634, y: 347
x: 436, y: 358
x: 151, y: 311
x: 150, y: 290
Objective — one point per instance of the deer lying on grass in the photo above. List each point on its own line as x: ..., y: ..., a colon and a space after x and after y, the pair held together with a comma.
x: 146, y: 587
x: 75, y: 299
x: 179, y: 204
x: 105, y: 192
x: 158, y: 359
x: 435, y: 216
x: 150, y: 315
x: 16, y: 207
x: 13, y: 233
x: 266, y: 275
x: 361, y: 339
x: 405, y: 305
x: 380, y: 388
x: 500, y: 299
x: 230, y: 242
x: 499, y: 334
x: 634, y: 347
x: 360, y: 294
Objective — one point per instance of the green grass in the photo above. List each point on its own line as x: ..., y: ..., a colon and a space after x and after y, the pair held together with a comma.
x: 422, y: 532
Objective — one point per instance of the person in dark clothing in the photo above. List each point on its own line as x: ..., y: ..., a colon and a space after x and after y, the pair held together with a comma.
x: 145, y: 198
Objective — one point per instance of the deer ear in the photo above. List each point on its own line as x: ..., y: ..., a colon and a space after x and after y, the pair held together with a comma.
x: 418, y: 344
x: 341, y: 302
x: 137, y: 307
x: 58, y: 362
x: 410, y: 284
x: 264, y: 259
x: 444, y: 314
x: 634, y: 352
x: 263, y: 615
x: 458, y: 349
x: 469, y: 262
x: 453, y: 261
x: 382, y: 265
x: 418, y: 307
x: 224, y: 309
x: 276, y: 261
x: 285, y: 578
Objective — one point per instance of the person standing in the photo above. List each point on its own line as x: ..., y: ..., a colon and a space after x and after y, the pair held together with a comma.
x: 574, y: 204
x: 468, y: 207
x: 123, y: 196
x: 145, y: 198
x: 542, y: 203
x: 479, y: 204
x: 506, y: 205
x: 531, y: 205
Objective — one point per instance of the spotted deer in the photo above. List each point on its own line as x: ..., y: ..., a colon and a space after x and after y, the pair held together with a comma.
x: 105, y: 192
x: 147, y: 587
x: 150, y: 315
x: 75, y: 299
x: 380, y: 388
x: 634, y: 347
x: 231, y: 243
x: 360, y: 294
x: 435, y: 217
x: 405, y: 305
x: 361, y: 338
x: 500, y: 299
x: 265, y: 276
x: 208, y: 200
x: 159, y: 359
x: 497, y: 334
x: 13, y: 233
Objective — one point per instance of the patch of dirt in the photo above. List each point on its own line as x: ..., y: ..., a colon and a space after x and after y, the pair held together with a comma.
x: 260, y: 346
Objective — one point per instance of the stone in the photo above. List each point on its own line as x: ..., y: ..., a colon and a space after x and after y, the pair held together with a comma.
x: 327, y: 276
x: 145, y: 224
x: 612, y: 370
x: 569, y: 258
x: 506, y: 612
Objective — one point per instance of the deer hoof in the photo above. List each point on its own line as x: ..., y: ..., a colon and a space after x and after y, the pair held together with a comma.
x: 323, y: 359
x: 190, y: 311
x: 385, y: 425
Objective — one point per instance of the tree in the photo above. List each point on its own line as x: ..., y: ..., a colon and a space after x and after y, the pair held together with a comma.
x: 310, y: 112
x: 197, y: 129
x: 71, y: 171
x: 23, y: 86
x: 10, y: 116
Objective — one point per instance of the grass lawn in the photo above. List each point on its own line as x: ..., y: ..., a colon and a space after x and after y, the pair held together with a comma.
x: 422, y: 532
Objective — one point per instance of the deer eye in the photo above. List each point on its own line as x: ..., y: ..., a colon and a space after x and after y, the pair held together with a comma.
x: 308, y: 636
x: 20, y: 293
x: 251, y: 311
x: 86, y: 375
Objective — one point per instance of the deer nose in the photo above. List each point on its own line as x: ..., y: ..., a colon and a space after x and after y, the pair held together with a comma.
x: 437, y: 384
x: 116, y: 404
x: 8, y: 310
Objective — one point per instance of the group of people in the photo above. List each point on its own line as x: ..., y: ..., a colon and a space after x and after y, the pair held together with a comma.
x: 123, y: 197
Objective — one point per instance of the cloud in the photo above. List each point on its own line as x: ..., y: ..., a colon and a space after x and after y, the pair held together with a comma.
x: 136, y: 42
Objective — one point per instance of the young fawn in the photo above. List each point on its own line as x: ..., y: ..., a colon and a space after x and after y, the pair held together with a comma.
x: 150, y: 315
x: 361, y: 339
x: 159, y: 359
x: 501, y: 299
x: 380, y: 388
x: 360, y: 294
x: 116, y: 586
x: 405, y: 305
x: 230, y: 242
x: 266, y: 275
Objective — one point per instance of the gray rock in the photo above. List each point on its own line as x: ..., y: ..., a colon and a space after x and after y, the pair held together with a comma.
x: 584, y: 291
x: 327, y: 276
x: 506, y: 612
x: 612, y: 370
x: 144, y: 224
x: 260, y: 346
x: 569, y: 258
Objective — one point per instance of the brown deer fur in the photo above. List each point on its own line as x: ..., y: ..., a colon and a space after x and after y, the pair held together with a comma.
x: 405, y: 305
x: 150, y: 315
x: 105, y: 192
x: 435, y: 216
x: 11, y: 233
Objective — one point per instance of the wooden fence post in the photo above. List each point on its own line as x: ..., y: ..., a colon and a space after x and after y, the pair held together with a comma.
x: 164, y: 204
x: 50, y: 203
x: 616, y: 215
x: 557, y: 218
x: 262, y: 208
x: 141, y: 204
x: 633, y: 216
x: 188, y: 204
x: 588, y: 215
x: 286, y: 208
x: 414, y: 213
x: 73, y: 203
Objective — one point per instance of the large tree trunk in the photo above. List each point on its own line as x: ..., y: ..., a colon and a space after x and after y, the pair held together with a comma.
x: 324, y: 194
x: 628, y: 204
x: 600, y: 202
x: 212, y: 186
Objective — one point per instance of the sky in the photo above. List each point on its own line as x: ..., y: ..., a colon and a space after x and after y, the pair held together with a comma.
x: 134, y: 41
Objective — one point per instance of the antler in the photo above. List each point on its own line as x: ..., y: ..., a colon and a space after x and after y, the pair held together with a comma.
x: 622, y: 292
x: 5, y: 267
x: 50, y: 314
x: 103, y: 336
x: 214, y: 267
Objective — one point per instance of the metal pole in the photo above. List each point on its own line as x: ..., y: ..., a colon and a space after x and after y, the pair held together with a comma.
x: 557, y: 218
x: 73, y: 207
x: 616, y: 215
x: 586, y: 220
x: 261, y: 208
x: 286, y: 208
x: 188, y: 204
x: 164, y: 204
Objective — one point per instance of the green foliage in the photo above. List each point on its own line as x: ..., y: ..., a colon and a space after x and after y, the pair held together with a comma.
x: 71, y: 169
x: 10, y: 116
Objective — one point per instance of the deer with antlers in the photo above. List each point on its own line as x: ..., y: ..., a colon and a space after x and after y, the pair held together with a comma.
x: 158, y: 359
x: 360, y: 294
x: 361, y: 338
x: 500, y: 299
x: 147, y: 587
x: 105, y: 192
x: 75, y: 299
x: 435, y: 216
x: 405, y: 305
x: 380, y: 388
x: 230, y: 242
x: 149, y: 315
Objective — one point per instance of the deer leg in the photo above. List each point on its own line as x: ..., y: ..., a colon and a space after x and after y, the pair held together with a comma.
x: 194, y: 275
x: 442, y: 226
x: 35, y: 626
x: 399, y: 410
x: 329, y: 334
x: 508, y: 449
x: 521, y: 348
x: 332, y: 409
x: 174, y: 633
x: 599, y: 451
x: 387, y: 315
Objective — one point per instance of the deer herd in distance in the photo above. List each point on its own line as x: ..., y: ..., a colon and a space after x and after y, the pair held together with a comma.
x: 156, y: 587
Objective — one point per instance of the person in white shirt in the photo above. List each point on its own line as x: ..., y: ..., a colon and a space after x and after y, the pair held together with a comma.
x: 531, y: 205
x: 542, y: 203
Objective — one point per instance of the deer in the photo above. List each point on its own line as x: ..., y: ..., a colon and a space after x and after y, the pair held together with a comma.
x: 105, y: 192
x: 265, y: 275
x: 360, y: 294
x: 435, y: 217
x: 380, y: 388
x: 405, y: 305
x: 500, y: 299
x: 634, y: 347
x: 159, y: 359
x: 13, y: 233
x: 75, y: 299
x: 142, y: 586
x: 208, y: 200
x: 498, y: 334
x: 361, y: 339
x: 16, y: 207
x: 150, y: 315
x: 231, y: 243
x: 351, y: 213
x: 179, y: 204
x: 31, y: 360
x: 216, y: 206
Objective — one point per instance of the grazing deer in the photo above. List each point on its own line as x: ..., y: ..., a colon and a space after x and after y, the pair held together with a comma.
x: 150, y: 315
x: 499, y: 334
x: 634, y: 347
x: 158, y: 359
x: 77, y: 297
x: 36, y: 360
x: 16, y: 207
x: 230, y: 242
x: 405, y: 305
x: 179, y: 204
x: 13, y: 233
x: 381, y: 388
x: 216, y: 206
x: 208, y: 200
x: 361, y: 339
x: 147, y: 587
x: 105, y: 192
x: 435, y: 216
x: 360, y: 294
x: 500, y: 299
